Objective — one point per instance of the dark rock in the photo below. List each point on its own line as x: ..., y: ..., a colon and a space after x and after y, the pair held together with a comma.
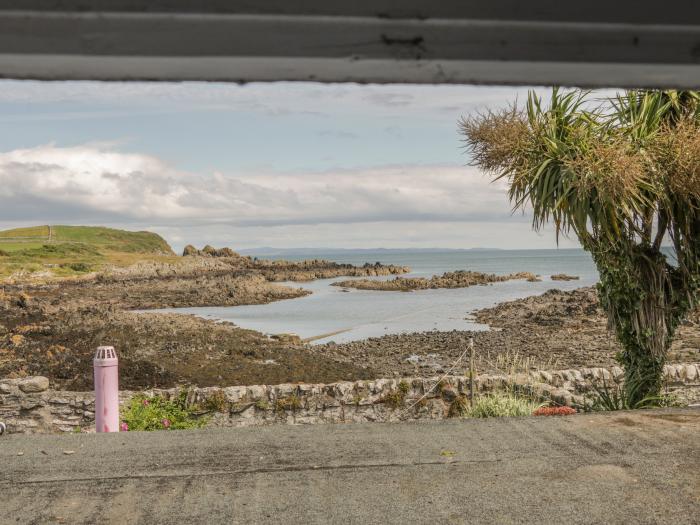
x: 190, y: 251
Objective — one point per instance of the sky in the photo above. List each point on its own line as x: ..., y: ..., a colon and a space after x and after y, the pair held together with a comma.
x: 283, y: 165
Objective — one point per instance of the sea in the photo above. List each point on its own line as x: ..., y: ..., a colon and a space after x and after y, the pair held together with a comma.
x: 330, y: 314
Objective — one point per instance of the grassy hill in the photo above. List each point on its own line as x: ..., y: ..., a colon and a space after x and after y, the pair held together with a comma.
x: 70, y: 250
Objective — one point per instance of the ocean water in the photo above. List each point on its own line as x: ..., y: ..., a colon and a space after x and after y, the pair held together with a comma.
x: 329, y: 314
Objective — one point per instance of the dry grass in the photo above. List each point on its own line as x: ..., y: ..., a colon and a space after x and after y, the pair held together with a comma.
x: 292, y: 402
x: 512, y: 363
x: 395, y: 398
x: 216, y: 402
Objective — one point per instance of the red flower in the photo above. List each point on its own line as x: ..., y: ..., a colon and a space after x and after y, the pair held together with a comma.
x: 554, y: 411
x: 166, y: 423
x: 123, y: 427
x: 146, y: 402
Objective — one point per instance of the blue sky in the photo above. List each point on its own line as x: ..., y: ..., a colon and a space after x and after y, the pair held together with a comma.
x: 282, y: 164
x: 288, y: 126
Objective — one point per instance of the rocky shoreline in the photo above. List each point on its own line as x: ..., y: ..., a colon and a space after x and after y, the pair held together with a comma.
x: 458, y: 279
x: 52, y: 329
x: 554, y: 330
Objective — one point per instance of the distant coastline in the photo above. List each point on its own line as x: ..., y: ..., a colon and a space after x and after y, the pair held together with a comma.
x: 267, y: 251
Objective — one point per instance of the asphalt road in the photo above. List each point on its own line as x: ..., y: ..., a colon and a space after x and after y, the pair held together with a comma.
x: 641, y: 467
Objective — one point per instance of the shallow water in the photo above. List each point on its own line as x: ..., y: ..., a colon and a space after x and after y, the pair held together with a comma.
x: 359, y: 314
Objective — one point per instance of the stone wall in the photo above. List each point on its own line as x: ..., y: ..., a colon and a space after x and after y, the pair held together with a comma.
x: 28, y: 405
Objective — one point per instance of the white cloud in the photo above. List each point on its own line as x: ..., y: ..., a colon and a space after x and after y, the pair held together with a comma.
x: 431, y: 205
x: 278, y: 98
x: 134, y: 186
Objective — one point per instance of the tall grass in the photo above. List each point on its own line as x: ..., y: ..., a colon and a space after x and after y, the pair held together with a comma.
x: 503, y: 404
x: 495, y: 404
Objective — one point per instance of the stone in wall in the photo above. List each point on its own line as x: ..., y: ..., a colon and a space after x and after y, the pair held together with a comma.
x: 27, y: 405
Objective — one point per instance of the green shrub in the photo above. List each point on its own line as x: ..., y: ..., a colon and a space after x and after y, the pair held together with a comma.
x: 158, y: 413
x: 79, y: 267
x: 502, y: 404
x: 617, y: 397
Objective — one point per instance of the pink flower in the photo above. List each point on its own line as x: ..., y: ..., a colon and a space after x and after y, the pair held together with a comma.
x: 166, y: 423
x: 146, y: 402
x: 123, y: 427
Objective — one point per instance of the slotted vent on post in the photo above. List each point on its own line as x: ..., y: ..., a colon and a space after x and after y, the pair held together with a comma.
x: 105, y: 352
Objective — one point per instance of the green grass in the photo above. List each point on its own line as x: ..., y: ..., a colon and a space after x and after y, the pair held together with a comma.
x: 75, y: 250
x: 41, y: 232
x: 53, y: 251
x: 109, y: 239
x: 11, y: 247
x: 114, y: 240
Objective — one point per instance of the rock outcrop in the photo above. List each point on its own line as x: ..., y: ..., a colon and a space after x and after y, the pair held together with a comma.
x: 458, y: 279
x: 190, y: 251
x: 564, y: 277
x: 208, y: 251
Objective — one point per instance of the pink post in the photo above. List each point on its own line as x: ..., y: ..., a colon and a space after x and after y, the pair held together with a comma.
x: 106, y: 366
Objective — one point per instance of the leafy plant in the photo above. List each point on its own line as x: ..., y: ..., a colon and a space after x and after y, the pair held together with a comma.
x: 158, y: 413
x: 624, y: 176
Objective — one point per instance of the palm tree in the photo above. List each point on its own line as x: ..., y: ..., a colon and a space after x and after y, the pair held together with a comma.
x: 622, y: 174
